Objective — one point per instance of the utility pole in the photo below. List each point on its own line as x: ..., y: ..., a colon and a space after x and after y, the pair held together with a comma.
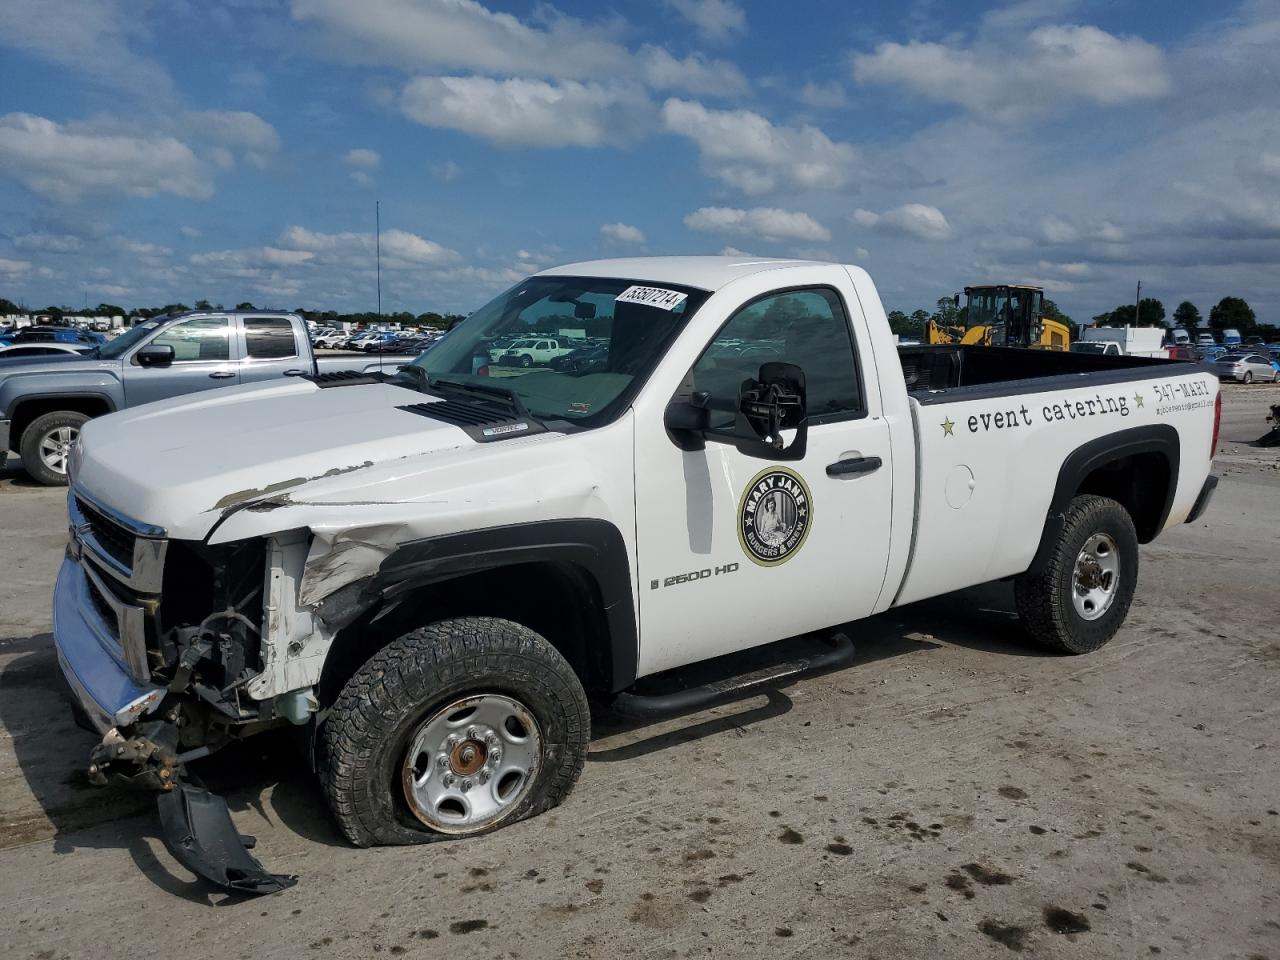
x: 1137, y: 306
x: 377, y: 240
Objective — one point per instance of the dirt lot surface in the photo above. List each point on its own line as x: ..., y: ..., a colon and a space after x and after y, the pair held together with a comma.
x: 956, y: 793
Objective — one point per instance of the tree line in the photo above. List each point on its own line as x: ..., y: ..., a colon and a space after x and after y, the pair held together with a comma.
x: 322, y: 317
x: 1229, y: 313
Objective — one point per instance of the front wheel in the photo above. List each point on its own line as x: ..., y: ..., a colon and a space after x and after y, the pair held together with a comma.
x: 1077, y: 600
x: 46, y: 445
x: 455, y: 729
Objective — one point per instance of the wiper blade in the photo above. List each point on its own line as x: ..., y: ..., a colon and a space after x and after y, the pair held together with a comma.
x: 490, y: 389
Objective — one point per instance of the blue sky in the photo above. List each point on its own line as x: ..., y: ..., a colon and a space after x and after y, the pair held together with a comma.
x: 161, y: 151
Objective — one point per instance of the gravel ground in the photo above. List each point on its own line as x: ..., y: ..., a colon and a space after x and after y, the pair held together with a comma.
x: 956, y: 793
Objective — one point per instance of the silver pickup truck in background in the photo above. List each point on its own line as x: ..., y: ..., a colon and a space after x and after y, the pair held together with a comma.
x: 45, y: 400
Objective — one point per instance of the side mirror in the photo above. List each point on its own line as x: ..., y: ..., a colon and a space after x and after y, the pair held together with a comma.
x: 155, y: 355
x: 767, y: 408
x: 956, y: 301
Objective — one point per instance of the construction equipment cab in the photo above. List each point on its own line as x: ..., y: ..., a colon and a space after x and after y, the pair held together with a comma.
x: 1002, y: 315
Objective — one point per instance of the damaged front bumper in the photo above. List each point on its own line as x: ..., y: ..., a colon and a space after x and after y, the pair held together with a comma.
x: 141, y: 747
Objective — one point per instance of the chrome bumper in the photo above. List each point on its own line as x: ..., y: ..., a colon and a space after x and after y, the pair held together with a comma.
x: 92, y: 659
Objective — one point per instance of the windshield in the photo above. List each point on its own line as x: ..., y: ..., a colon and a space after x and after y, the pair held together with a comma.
x: 526, y: 340
x: 1086, y: 347
x: 120, y: 345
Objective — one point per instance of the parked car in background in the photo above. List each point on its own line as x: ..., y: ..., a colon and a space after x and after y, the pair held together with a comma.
x: 45, y: 334
x: 45, y: 401
x: 1246, y: 367
x: 18, y: 350
x: 1182, y: 352
x: 535, y: 351
x: 1102, y: 347
x: 583, y: 360
x: 328, y: 337
x: 380, y: 340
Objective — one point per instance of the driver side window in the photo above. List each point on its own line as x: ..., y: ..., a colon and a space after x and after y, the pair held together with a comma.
x: 201, y: 338
x: 804, y: 327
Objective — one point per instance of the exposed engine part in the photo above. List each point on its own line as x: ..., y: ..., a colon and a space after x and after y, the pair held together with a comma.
x: 146, y: 757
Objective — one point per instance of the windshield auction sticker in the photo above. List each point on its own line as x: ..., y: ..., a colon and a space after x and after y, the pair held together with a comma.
x: 652, y: 297
x: 774, y: 516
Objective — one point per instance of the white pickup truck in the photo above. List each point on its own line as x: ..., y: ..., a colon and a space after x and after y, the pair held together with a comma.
x: 435, y: 569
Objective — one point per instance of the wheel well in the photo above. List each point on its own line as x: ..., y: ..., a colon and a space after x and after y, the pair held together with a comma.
x: 29, y: 410
x: 559, y: 601
x: 1135, y: 482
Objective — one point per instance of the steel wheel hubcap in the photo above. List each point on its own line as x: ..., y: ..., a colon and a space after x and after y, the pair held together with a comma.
x: 471, y: 763
x: 55, y: 447
x: 1097, y: 576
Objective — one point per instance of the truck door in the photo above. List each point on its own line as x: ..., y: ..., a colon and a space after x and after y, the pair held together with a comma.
x: 271, y: 350
x: 205, y: 356
x: 735, y: 551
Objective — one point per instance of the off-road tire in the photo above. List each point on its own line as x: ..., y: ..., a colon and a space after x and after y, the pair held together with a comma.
x: 1043, y: 595
x: 36, y: 431
x: 363, y: 739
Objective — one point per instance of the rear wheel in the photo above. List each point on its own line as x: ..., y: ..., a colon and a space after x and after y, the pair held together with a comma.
x: 526, y: 360
x: 1077, y: 600
x: 454, y: 729
x: 46, y: 445
x: 1248, y: 376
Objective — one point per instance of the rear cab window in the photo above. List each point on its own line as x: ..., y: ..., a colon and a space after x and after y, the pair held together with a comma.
x: 269, y: 338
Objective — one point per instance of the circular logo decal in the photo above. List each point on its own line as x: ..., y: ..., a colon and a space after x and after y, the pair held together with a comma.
x: 774, y: 516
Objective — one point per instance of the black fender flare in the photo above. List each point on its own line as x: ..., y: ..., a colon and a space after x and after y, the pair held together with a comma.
x: 595, y: 547
x: 1160, y: 438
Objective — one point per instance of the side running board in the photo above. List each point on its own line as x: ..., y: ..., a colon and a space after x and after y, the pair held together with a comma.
x: 198, y: 831
x: 639, y: 706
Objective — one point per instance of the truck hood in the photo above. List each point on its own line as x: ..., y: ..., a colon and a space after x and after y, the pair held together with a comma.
x: 184, y: 464
x: 53, y: 364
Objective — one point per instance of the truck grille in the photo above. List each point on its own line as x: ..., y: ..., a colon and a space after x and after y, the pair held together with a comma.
x: 122, y: 564
x: 114, y: 539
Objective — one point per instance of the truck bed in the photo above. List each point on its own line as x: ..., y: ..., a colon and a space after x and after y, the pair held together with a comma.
x: 952, y: 373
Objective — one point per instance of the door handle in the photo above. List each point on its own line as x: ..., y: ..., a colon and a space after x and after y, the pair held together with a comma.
x: 221, y: 375
x: 295, y: 373
x: 853, y: 466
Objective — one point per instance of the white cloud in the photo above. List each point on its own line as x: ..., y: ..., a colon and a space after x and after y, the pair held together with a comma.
x: 746, y: 151
x: 1050, y: 67
x: 447, y: 171
x: 716, y: 20
x: 862, y: 253
x: 65, y: 163
x: 89, y: 36
x: 910, y: 219
x: 113, y: 290
x: 728, y: 251
x: 189, y: 232
x: 528, y: 112
x: 362, y: 158
x: 237, y: 131
x: 11, y: 269
x: 622, y: 233
x: 466, y: 35
x: 48, y: 242
x: 769, y: 223
x: 694, y: 74
x: 823, y: 96
x: 140, y: 248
